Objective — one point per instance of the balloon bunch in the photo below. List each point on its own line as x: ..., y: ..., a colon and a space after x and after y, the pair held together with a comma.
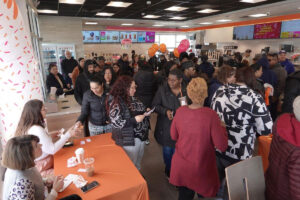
x: 155, y: 47
x: 183, y: 46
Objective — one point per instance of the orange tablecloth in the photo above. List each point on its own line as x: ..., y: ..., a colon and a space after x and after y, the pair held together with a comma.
x: 264, y: 144
x: 118, y: 177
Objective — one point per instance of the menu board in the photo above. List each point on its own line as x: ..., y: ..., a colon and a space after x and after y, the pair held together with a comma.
x: 128, y: 35
x: 150, y: 37
x: 109, y: 36
x: 267, y: 31
x: 290, y: 29
x: 243, y: 32
x: 141, y: 37
x: 91, y: 36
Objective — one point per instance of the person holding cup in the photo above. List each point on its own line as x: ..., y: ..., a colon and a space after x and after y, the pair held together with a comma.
x: 169, y: 97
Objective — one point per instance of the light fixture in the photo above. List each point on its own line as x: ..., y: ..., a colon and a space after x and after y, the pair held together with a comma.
x: 224, y: 20
x: 252, y: 1
x: 151, y: 16
x: 104, y: 14
x: 185, y: 26
x: 72, y: 1
x: 258, y: 15
x: 208, y: 10
x: 126, y: 24
x: 176, y: 8
x: 205, y: 23
x: 178, y: 18
x: 118, y: 4
x: 91, y: 23
x: 48, y: 11
x: 157, y: 25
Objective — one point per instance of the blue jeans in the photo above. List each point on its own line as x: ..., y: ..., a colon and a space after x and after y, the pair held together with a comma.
x: 168, y: 154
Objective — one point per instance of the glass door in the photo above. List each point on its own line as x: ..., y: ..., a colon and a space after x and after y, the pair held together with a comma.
x: 49, y: 53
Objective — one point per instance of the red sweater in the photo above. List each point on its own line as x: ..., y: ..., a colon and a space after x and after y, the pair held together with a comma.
x: 197, y: 132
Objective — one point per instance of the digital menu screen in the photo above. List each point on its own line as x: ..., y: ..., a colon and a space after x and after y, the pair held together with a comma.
x: 150, y: 37
x: 91, y: 36
x: 243, y: 32
x: 109, y: 36
x: 141, y: 37
x: 129, y: 35
x: 267, y: 31
x: 290, y: 29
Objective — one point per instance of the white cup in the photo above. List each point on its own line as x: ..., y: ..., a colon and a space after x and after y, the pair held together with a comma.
x: 79, y: 155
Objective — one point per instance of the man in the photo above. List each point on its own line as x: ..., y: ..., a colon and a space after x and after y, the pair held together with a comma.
x: 100, y: 63
x: 288, y: 66
x: 67, y: 66
x: 247, y: 56
x: 125, y: 69
x: 189, y: 71
x: 183, y: 57
x: 206, y: 67
x: 291, y: 91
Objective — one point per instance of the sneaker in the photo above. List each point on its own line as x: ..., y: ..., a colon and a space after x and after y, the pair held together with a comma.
x: 147, y: 142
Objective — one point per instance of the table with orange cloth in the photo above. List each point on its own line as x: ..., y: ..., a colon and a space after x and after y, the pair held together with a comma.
x: 114, y: 171
x: 264, y: 144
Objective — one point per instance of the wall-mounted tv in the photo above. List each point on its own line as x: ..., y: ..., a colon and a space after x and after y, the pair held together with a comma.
x: 91, y: 36
x: 290, y: 29
x: 150, y: 37
x: 243, y: 32
x: 109, y: 36
x: 267, y: 31
x: 129, y: 35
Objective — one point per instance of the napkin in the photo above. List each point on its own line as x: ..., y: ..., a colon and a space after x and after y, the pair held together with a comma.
x: 72, y: 162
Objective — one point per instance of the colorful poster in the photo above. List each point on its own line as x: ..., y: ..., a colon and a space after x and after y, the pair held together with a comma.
x: 267, y: 31
x: 129, y: 35
x: 243, y: 32
x: 91, y: 36
x: 150, y: 37
x: 141, y: 37
x: 109, y: 36
x: 290, y: 29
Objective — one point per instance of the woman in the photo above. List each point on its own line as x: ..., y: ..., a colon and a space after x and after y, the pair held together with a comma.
x: 116, y: 68
x: 259, y: 84
x: 135, y: 64
x: 197, y: 131
x: 109, y: 77
x: 22, y: 180
x: 93, y: 108
x: 129, y: 125
x: 55, y: 79
x: 32, y: 122
x: 245, y: 115
x: 82, y: 82
x: 164, y: 73
x: 77, y: 70
x: 166, y: 102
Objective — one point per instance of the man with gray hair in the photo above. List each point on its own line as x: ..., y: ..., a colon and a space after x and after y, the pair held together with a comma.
x: 67, y: 66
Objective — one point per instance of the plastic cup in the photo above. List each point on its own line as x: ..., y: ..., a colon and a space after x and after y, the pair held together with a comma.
x: 183, y: 101
x: 79, y: 155
x: 89, y: 166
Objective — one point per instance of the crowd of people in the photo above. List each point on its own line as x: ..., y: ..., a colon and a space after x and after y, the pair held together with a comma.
x: 208, y: 118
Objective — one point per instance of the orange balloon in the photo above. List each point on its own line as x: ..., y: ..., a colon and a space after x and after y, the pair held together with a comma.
x: 151, y: 52
x: 162, y: 47
x: 155, y: 46
x: 176, y: 53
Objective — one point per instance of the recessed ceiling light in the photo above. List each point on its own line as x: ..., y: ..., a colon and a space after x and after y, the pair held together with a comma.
x: 252, y: 1
x: 118, y: 4
x: 91, y: 23
x: 224, y: 20
x: 72, y: 1
x: 205, y: 23
x: 185, y: 26
x: 258, y: 15
x: 158, y: 25
x: 126, y: 24
x: 151, y: 16
x: 178, y: 18
x: 104, y: 14
x: 48, y: 11
x: 176, y: 8
x: 208, y: 11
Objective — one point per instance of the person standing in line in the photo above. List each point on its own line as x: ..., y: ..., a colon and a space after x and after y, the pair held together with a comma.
x: 109, y: 78
x: 288, y: 66
x: 77, y: 70
x: 125, y: 69
x: 67, y: 66
x: 189, y: 71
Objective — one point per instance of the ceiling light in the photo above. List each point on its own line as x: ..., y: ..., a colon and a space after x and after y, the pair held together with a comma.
x: 185, y: 26
x: 176, y: 8
x: 104, y: 14
x: 208, y: 11
x: 205, y: 23
x: 158, y: 25
x: 119, y: 4
x: 178, y: 18
x: 224, y: 20
x: 91, y: 23
x: 48, y: 11
x: 258, y: 15
x: 151, y: 16
x: 126, y: 24
x: 252, y: 1
x: 72, y: 1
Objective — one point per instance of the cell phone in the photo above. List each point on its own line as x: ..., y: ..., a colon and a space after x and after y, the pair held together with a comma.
x: 68, y: 144
x: 149, y: 112
x: 89, y: 186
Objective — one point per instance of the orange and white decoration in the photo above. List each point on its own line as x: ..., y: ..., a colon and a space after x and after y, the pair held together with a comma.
x: 19, y: 75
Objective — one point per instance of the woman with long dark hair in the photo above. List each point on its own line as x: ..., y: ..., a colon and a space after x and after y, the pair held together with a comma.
x: 129, y: 124
x: 109, y: 78
x: 77, y: 70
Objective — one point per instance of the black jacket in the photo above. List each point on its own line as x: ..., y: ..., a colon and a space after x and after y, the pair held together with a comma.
x: 93, y: 107
x: 125, y: 69
x: 53, y: 82
x: 291, y: 91
x: 67, y: 65
x: 81, y: 86
x: 165, y: 100
x: 146, y: 86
